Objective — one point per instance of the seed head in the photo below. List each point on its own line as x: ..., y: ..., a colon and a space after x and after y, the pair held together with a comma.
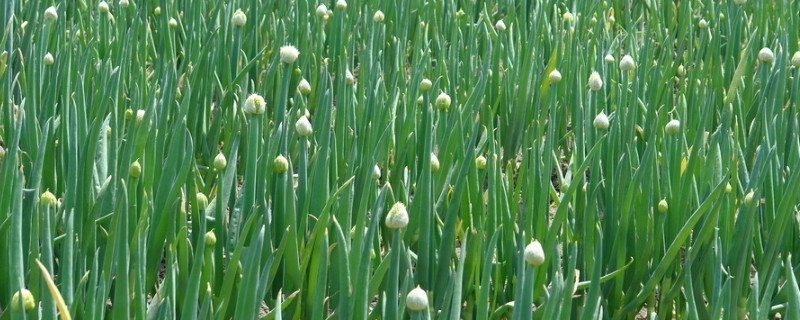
x: 124, y: 3
x: 766, y: 55
x: 417, y: 299
x: 663, y: 206
x: 627, y: 63
x: 673, y: 127
x: 434, y: 162
x: 322, y: 11
x: 702, y: 24
x: 601, y: 121
x: 254, y: 104
x: 609, y: 59
x: 135, y: 169
x: 157, y: 11
x: 304, y: 87
x: 443, y: 101
x: 534, y: 253
x: 24, y: 296
x: 728, y: 187
x: 289, y: 54
x: 397, y: 217
x: 48, y: 199
x: 420, y: 100
x: 500, y: 25
x: 555, y: 76
x: 303, y: 127
x: 51, y: 14
x: 595, y: 82
x: 239, y: 18
x: 341, y: 4
x: 280, y: 164
x: 102, y: 7
x: 48, y: 59
x: 425, y: 84
x: 480, y: 162
x: 378, y: 16
x: 172, y: 23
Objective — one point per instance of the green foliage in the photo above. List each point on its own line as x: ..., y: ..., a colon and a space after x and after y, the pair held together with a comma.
x: 140, y: 180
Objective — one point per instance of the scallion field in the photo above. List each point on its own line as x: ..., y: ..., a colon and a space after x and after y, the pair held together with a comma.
x: 400, y: 159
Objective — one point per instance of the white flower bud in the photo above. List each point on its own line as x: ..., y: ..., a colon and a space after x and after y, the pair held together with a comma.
x: 210, y: 238
x: 322, y: 10
x: 254, y: 104
x: 341, y: 4
x: 555, y: 76
x: 48, y: 199
x: 595, y: 82
x: 534, y: 253
x: 749, y: 199
x: 26, y: 297
x: 702, y: 24
x: 220, y: 162
x: 102, y: 7
x: 172, y: 23
x: 280, y: 164
x: 303, y: 127
x: 397, y: 217
x: 500, y: 25
x: 157, y: 11
x: 434, y: 162
x: 681, y: 71
x: 349, y: 79
x: 48, y: 59
x: 239, y: 18
x: 140, y: 115
x: 289, y: 54
x: 420, y: 100
x: 601, y: 121
x: 378, y: 16
x: 425, y: 85
x: 672, y: 127
x: 609, y: 59
x: 443, y: 101
x: 480, y: 162
x: 135, y: 170
x: 766, y: 55
x: 796, y: 59
x: 51, y: 14
x: 417, y: 299
x: 627, y: 63
x: 663, y: 206
x: 202, y: 200
x: 376, y: 172
x: 124, y: 3
x: 304, y: 87
x: 568, y: 17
